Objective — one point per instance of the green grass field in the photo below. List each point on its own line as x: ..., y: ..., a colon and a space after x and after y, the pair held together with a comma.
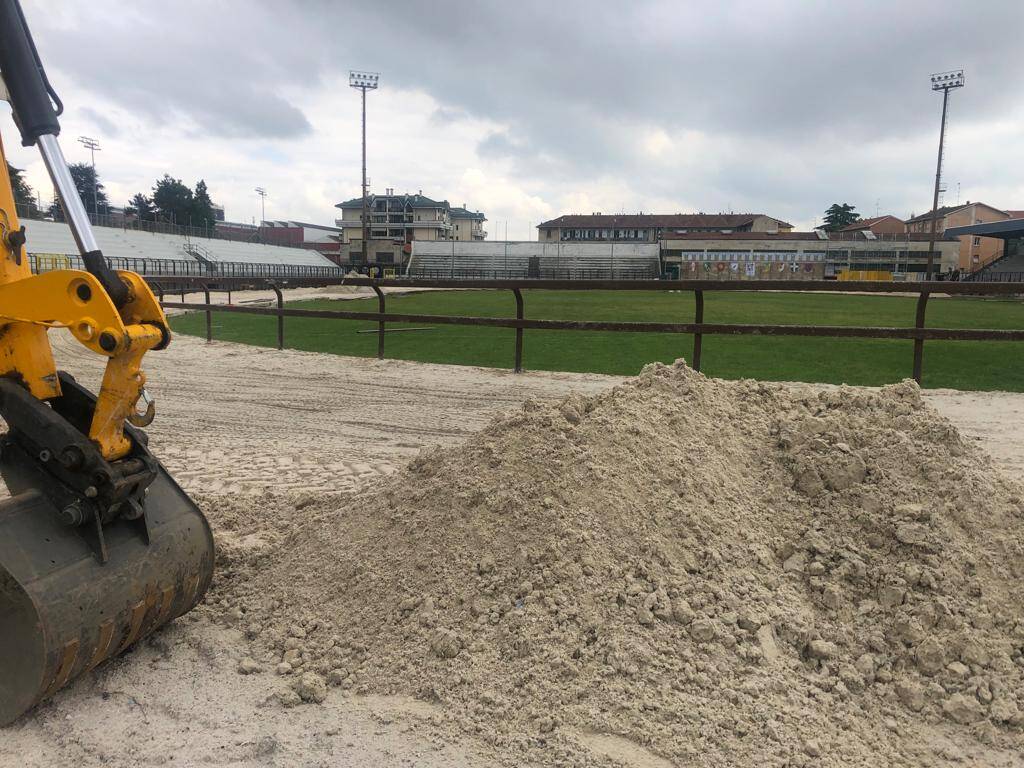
x: 957, y: 364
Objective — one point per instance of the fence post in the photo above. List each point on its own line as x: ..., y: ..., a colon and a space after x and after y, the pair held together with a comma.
x: 280, y: 317
x: 922, y: 304
x: 209, y: 313
x: 519, y: 331
x: 698, y: 317
x: 380, y: 323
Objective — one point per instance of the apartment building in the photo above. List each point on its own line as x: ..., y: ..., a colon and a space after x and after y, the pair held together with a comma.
x: 975, y: 250
x: 650, y: 228
x: 467, y: 225
x: 396, y: 221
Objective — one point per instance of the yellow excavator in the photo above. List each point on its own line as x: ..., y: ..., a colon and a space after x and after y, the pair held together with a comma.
x: 98, y: 545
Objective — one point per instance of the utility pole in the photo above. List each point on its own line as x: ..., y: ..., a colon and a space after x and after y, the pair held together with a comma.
x: 263, y: 208
x: 92, y: 145
x: 364, y: 81
x: 945, y: 82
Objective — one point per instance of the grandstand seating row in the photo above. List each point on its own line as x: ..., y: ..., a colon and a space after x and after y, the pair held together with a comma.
x: 54, y: 238
x: 520, y: 266
x: 595, y: 261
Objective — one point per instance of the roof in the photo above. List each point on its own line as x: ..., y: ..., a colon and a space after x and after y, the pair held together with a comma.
x: 868, y: 223
x: 462, y: 213
x: 855, y: 236
x: 291, y: 223
x: 672, y: 220
x: 939, y: 213
x: 1005, y: 229
x: 946, y: 209
x: 413, y: 201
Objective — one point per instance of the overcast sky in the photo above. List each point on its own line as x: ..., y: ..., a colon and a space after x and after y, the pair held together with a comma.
x: 528, y: 110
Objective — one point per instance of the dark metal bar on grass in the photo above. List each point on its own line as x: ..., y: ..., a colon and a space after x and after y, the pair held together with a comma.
x: 280, y: 316
x: 209, y: 314
x: 380, y: 325
x: 519, y: 331
x: 698, y: 319
x: 922, y: 304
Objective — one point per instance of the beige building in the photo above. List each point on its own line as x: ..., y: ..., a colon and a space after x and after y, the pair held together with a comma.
x: 396, y: 221
x: 975, y: 250
x: 650, y: 228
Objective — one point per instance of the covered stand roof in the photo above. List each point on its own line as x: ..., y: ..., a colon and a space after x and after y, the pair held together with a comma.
x: 1004, y: 230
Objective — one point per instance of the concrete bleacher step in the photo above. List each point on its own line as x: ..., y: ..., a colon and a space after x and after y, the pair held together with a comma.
x: 144, y: 252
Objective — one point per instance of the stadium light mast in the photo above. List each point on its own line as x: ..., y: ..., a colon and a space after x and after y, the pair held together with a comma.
x: 92, y: 145
x: 364, y: 81
x: 263, y: 208
x: 945, y: 82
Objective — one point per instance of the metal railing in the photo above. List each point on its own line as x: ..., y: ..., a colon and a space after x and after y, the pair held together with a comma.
x: 698, y: 328
x: 45, y: 262
x: 981, y: 277
x: 524, y: 273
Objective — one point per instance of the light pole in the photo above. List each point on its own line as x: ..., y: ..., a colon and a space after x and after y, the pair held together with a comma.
x: 364, y: 81
x: 92, y: 145
x: 945, y: 82
x: 263, y: 208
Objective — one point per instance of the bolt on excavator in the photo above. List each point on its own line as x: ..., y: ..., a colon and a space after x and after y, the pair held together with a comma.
x: 98, y: 545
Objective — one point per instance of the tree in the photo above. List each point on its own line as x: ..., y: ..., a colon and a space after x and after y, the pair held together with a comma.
x: 84, y: 177
x: 172, y: 200
x: 838, y: 216
x: 24, y: 196
x: 86, y: 181
x: 202, y: 207
x: 140, y: 205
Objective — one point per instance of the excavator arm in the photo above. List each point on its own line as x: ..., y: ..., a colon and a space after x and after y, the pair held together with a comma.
x: 98, y: 545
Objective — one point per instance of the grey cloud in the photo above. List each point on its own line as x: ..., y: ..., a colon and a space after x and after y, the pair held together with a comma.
x: 577, y: 83
x: 221, y: 70
x: 109, y: 127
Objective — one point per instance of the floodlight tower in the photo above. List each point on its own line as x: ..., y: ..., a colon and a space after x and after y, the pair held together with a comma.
x: 263, y: 208
x: 945, y: 82
x: 364, y: 81
x: 92, y: 145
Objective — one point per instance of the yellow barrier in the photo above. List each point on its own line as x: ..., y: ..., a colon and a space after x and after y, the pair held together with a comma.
x: 865, y: 274
x: 47, y: 262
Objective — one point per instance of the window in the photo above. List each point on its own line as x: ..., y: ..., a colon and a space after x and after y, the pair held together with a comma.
x: 977, y: 241
x: 356, y: 257
x: 385, y: 257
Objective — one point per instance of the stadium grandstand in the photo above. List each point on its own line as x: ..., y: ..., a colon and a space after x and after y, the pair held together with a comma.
x: 553, y: 261
x: 50, y: 246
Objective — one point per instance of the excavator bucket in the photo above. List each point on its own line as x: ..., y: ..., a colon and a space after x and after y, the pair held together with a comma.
x: 63, y: 610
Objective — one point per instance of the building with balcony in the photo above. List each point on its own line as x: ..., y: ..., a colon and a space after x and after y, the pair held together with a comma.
x: 650, y: 228
x: 396, y: 221
x: 976, y: 250
x: 467, y: 225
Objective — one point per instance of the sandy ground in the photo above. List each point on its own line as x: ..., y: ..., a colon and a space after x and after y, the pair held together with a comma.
x: 268, y: 298
x: 241, y: 419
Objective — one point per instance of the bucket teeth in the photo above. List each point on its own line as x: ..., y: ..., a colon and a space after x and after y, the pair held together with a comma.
x: 64, y: 612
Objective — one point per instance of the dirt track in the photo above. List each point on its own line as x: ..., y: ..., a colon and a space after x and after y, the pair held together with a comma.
x: 243, y: 419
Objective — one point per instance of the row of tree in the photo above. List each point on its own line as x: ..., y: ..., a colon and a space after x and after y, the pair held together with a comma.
x: 171, y: 201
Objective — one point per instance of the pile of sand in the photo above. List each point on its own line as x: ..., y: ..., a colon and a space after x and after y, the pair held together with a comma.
x: 727, y: 573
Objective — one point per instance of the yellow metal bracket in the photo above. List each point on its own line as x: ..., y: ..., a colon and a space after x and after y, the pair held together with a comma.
x: 75, y: 300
